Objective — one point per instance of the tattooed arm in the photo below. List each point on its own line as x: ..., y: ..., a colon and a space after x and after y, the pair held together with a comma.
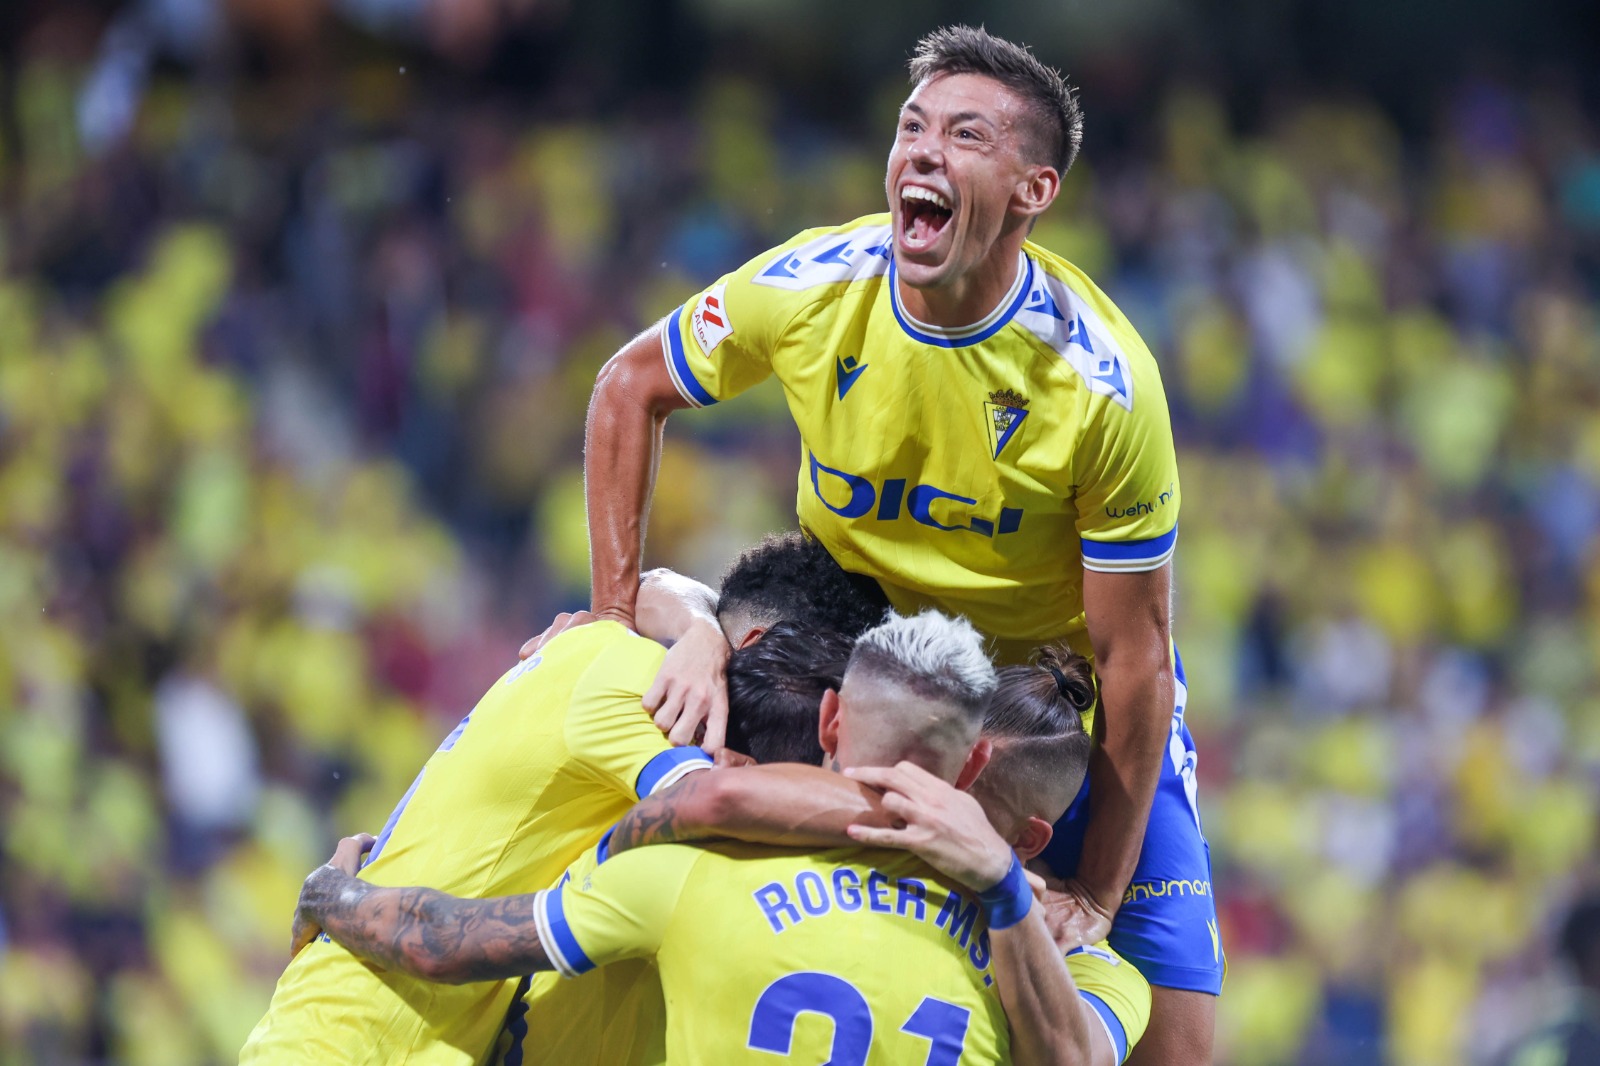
x: 420, y: 931
x: 781, y: 803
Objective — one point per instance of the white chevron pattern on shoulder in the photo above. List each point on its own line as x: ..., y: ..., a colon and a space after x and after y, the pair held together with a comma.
x: 848, y: 255
x: 1065, y: 321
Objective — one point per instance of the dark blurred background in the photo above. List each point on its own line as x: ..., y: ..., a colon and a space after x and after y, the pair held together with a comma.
x: 302, y: 301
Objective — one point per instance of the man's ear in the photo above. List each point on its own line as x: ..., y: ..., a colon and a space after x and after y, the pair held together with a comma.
x: 977, y: 759
x: 1034, y: 837
x: 1036, y: 191
x: 828, y: 722
x: 753, y: 634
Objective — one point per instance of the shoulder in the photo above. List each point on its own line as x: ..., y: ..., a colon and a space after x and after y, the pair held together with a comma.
x: 617, y: 658
x: 1071, y: 316
x: 855, y: 251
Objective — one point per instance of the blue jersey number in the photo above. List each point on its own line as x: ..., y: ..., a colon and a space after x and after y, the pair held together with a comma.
x: 943, y: 1024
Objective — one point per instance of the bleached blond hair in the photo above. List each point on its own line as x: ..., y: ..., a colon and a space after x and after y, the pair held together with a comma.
x: 932, y: 655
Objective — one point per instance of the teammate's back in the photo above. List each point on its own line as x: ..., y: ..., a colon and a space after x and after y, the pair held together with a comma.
x: 852, y: 956
x: 549, y: 756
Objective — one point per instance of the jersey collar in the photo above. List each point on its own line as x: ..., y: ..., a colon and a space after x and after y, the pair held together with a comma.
x: 961, y: 336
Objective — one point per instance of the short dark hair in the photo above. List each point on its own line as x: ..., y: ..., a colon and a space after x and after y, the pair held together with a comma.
x: 775, y: 686
x: 1035, y: 721
x: 1055, y: 119
x: 791, y: 577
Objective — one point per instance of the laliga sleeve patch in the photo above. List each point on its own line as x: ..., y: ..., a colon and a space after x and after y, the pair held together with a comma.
x: 710, y: 321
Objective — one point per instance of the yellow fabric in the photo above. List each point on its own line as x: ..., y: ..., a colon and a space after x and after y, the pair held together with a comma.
x: 959, y: 470
x: 1100, y: 971
x: 611, y: 1016
x: 615, y: 1015
x: 727, y: 924
x: 544, y: 763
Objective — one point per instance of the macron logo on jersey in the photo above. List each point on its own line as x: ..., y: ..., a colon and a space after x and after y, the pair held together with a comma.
x: 848, y: 369
x: 709, y: 320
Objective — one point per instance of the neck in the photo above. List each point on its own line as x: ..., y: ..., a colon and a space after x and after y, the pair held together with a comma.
x: 966, y: 299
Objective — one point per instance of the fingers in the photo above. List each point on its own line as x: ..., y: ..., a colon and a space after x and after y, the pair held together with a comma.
x: 725, y: 757
x: 656, y: 693
x: 564, y: 621
x: 908, y: 779
x: 875, y: 837
x: 301, y: 935
x: 347, y: 856
x: 670, y: 710
x: 882, y: 778
x: 716, y: 722
x: 688, y: 725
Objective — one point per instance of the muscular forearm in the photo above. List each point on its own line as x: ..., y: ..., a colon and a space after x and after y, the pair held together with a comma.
x: 1129, y: 619
x: 784, y: 804
x: 621, y: 449
x: 1136, y: 701
x: 1049, y: 1020
x: 423, y: 932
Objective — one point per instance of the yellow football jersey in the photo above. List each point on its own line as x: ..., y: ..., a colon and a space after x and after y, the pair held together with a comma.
x: 615, y: 1014
x: 552, y: 755
x: 976, y: 470
x: 611, y: 1016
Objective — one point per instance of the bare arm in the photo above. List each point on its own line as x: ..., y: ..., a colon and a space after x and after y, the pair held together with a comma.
x: 1051, y: 1025
x: 422, y: 932
x: 632, y: 398
x: 783, y: 803
x: 691, y: 687
x: 1129, y: 618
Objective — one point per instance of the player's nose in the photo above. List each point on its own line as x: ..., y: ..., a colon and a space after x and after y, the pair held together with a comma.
x: 926, y: 154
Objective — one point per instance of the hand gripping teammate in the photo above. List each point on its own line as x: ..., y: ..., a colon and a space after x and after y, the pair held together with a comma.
x: 983, y: 431
x: 751, y: 941
x: 552, y: 755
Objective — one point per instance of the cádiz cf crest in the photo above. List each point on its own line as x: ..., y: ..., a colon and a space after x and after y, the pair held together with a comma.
x: 1006, y: 411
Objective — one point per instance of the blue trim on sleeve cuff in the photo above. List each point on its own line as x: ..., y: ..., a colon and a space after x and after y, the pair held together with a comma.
x: 1119, y: 1036
x: 1127, y: 556
x: 572, y: 953
x: 1129, y: 550
x: 668, y: 768
x: 603, y: 851
x: 680, y: 362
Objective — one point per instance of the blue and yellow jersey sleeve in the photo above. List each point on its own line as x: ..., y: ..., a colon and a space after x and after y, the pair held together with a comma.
x: 610, y: 735
x: 619, y: 909
x: 1118, y: 993
x: 729, y: 337
x: 1124, y: 468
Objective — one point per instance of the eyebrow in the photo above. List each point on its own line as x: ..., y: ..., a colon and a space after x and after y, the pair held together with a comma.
x: 959, y: 116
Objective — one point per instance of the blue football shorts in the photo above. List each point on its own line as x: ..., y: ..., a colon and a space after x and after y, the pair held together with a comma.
x: 1167, y: 924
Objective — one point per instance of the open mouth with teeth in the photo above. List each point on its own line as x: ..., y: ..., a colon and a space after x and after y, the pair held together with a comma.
x: 923, y: 215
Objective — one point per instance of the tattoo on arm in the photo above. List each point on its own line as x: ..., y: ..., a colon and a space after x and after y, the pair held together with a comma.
x: 426, y: 933
x: 660, y: 819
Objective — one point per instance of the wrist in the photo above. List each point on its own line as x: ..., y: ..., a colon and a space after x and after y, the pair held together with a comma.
x: 1009, y: 900
x: 1095, y: 897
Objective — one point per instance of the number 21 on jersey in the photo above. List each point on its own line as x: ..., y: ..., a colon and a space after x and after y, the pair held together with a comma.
x: 943, y: 1025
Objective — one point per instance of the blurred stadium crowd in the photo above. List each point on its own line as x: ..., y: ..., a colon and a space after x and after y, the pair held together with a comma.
x: 292, y: 380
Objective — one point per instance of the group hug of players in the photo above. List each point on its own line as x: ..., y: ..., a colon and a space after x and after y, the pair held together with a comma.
x: 885, y: 847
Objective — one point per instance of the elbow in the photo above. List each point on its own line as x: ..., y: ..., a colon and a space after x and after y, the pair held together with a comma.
x: 634, y: 378
x: 717, y: 801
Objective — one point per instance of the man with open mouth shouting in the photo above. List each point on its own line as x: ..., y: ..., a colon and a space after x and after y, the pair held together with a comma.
x: 984, y: 432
